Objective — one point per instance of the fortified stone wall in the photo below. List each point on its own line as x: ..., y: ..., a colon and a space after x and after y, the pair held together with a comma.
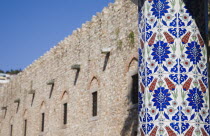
x: 109, y: 75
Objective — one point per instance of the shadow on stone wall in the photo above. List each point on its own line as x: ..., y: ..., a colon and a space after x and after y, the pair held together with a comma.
x: 130, y: 126
x: 131, y: 123
x: 135, y: 2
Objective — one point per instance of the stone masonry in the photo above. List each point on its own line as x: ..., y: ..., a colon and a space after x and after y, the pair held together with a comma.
x: 26, y: 97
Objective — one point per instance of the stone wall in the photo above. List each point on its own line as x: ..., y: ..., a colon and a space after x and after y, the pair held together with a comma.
x: 114, y: 28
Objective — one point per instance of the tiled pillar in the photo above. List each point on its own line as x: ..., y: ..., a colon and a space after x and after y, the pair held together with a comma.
x: 173, y: 75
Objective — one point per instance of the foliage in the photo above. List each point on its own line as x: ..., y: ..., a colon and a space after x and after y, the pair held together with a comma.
x: 119, y: 43
x: 131, y: 38
x: 11, y: 72
x: 1, y: 71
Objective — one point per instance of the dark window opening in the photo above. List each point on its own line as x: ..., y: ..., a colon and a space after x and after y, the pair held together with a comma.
x: 11, y: 129
x: 94, y: 96
x: 51, y: 91
x: 43, y: 119
x: 32, y: 101
x: 106, y: 61
x: 25, y: 128
x: 76, y: 77
x: 18, y: 107
x: 5, y: 113
x: 135, y: 89
x: 65, y: 114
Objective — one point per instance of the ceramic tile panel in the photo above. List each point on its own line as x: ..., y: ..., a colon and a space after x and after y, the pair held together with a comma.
x: 175, y: 75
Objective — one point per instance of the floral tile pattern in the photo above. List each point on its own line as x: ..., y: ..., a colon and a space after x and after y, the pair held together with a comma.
x: 173, y: 83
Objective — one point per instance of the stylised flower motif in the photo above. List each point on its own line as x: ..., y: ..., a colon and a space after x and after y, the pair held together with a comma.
x: 186, y: 63
x: 188, y: 111
x: 197, y: 131
x: 195, y: 82
x: 151, y: 20
x: 194, y: 36
x: 168, y: 17
x: 194, y: 52
x: 142, y: 67
x: 175, y: 126
x: 181, y: 10
x: 160, y: 82
x: 159, y: 8
x: 142, y: 113
x: 171, y: 110
x: 195, y: 99
x: 160, y: 52
x: 190, y: 131
x: 204, y: 59
x: 173, y: 56
x: 187, y: 84
x: 161, y: 130
x: 149, y: 14
x: 170, y: 84
x: 154, y: 131
x: 169, y: 63
x: 200, y: 40
x: 184, y: 103
x: 203, y: 113
x: 172, y: 11
x: 153, y: 111
x: 161, y: 98
x: 159, y: 36
x: 186, y: 38
x: 203, y: 88
x: 201, y: 65
x: 182, y: 56
x: 174, y: 103
x: 185, y: 17
x: 168, y: 37
x: 152, y: 65
x: 149, y: 104
x: 152, y: 39
x: 152, y: 85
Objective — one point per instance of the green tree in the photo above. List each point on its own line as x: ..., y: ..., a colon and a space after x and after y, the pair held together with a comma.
x: 1, y: 71
x: 13, y: 72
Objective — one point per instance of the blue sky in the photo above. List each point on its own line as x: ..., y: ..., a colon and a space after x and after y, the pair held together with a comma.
x: 28, y: 28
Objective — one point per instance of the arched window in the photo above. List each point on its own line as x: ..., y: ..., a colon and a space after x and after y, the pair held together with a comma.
x: 64, y: 109
x: 94, y: 90
x: 25, y: 114
x: 132, y: 69
x: 43, y: 120
x: 134, y: 90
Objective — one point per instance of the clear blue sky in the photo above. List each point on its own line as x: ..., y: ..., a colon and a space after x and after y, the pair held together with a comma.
x: 28, y: 28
